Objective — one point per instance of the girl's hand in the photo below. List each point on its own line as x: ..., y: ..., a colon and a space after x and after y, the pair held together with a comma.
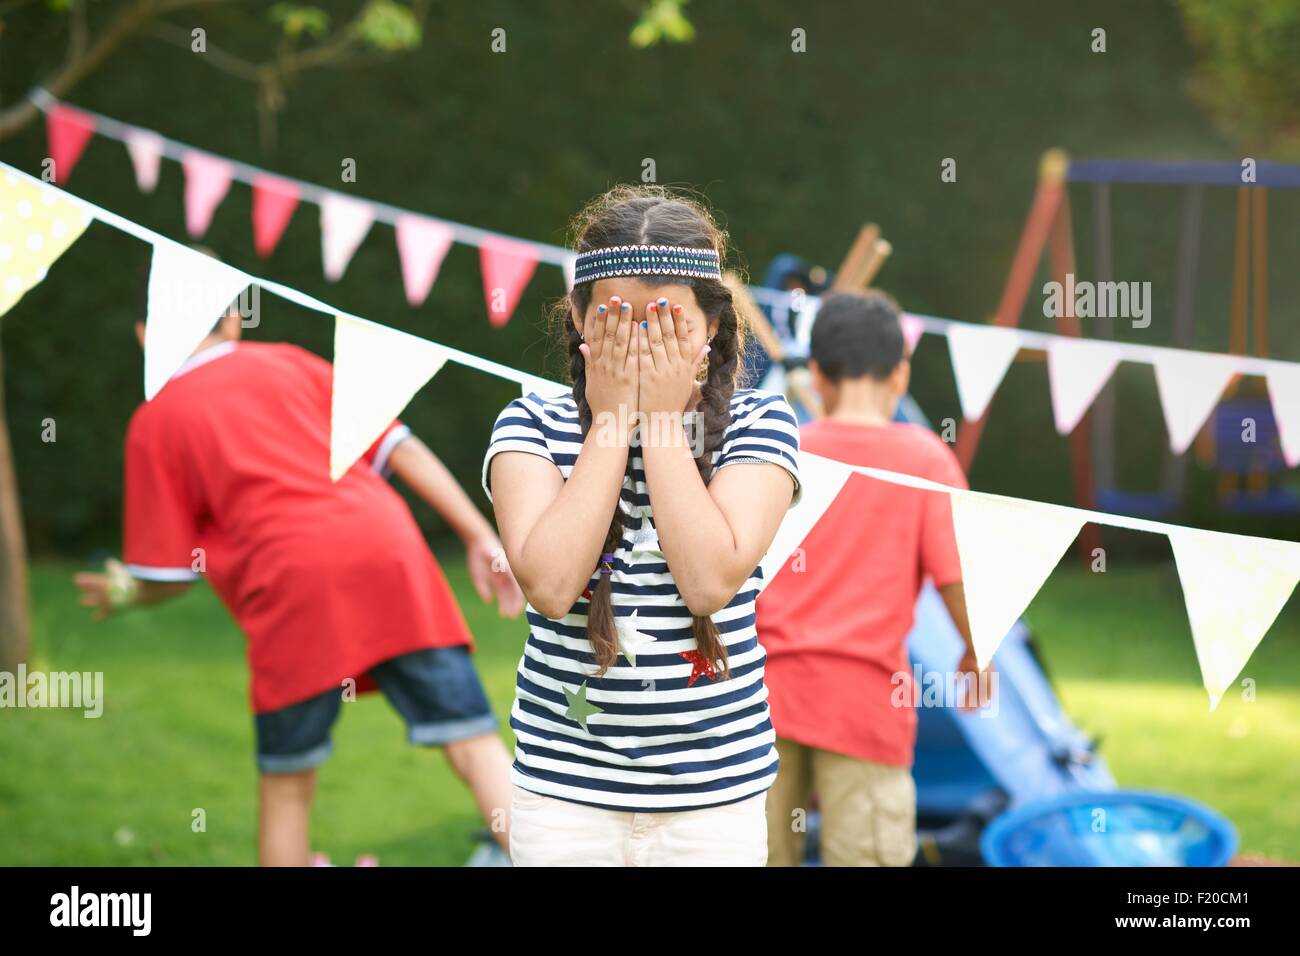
x: 610, y: 351
x: 666, y: 364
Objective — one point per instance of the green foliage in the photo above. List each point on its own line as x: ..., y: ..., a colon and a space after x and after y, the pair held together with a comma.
x: 389, y: 26
x: 662, y: 20
x: 298, y: 21
x: 1249, y: 71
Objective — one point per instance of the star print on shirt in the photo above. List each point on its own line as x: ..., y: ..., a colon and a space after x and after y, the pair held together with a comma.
x: 701, y: 666
x: 630, y: 640
x: 580, y: 709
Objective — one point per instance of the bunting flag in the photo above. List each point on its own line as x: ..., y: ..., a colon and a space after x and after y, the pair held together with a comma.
x: 207, y: 180
x: 146, y: 151
x: 37, y: 224
x: 1284, y: 391
x: 274, y: 201
x: 377, y: 371
x: 1190, y: 384
x: 820, y: 481
x: 67, y: 131
x: 422, y: 244
x: 981, y: 355
x: 344, y: 222
x: 913, y: 329
x: 507, y: 266
x: 543, y: 387
x: 1077, y: 370
x: 1234, y: 587
x: 1007, y: 547
x: 188, y: 293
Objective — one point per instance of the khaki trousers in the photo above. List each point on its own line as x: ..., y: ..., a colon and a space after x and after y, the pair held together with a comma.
x: 868, y: 810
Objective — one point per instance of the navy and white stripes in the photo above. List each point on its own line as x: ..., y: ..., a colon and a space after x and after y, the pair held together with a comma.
x: 659, y: 734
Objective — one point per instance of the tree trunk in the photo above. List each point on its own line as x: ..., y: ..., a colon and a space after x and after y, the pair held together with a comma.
x: 14, y: 623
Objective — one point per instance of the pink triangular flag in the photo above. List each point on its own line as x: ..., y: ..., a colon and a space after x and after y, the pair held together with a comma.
x: 67, y: 131
x: 912, y: 331
x: 1077, y: 369
x: 507, y: 266
x: 422, y: 244
x: 1284, y: 389
x: 274, y: 201
x: 146, y: 149
x: 207, y: 179
x: 344, y: 222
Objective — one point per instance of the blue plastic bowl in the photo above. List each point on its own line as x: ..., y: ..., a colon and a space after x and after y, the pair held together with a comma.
x: 1110, y: 828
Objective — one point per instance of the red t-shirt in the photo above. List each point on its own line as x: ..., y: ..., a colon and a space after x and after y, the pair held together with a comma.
x: 325, y: 579
x: 834, y: 621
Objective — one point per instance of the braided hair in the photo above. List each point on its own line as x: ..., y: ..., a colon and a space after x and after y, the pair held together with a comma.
x: 653, y: 215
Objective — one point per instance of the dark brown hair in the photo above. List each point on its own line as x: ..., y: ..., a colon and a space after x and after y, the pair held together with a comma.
x: 653, y: 215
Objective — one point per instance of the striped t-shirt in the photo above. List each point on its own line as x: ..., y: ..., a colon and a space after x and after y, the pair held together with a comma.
x: 654, y: 732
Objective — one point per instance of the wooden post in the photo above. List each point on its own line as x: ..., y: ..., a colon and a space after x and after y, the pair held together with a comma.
x: 1047, y: 201
x: 1259, y: 259
x: 848, y: 275
x: 1062, y: 259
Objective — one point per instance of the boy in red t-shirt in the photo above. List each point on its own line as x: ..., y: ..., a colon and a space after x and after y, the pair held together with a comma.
x: 835, y: 626
x: 227, y: 474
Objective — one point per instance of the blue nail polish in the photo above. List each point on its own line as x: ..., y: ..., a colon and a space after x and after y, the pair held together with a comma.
x: 627, y: 307
x: 643, y: 325
x: 663, y: 303
x: 600, y: 309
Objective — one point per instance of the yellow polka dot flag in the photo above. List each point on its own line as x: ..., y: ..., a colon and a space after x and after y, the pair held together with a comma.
x: 36, y: 225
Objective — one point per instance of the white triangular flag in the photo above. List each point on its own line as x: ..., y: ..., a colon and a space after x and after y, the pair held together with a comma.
x: 1007, y: 547
x: 188, y: 292
x: 1234, y: 587
x: 1077, y: 369
x: 1284, y: 389
x: 820, y: 481
x: 981, y: 355
x: 344, y: 222
x: 146, y: 150
x: 377, y: 371
x: 544, y: 387
x: 1190, y: 384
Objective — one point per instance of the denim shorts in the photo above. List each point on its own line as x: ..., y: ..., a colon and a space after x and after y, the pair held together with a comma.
x: 437, y: 692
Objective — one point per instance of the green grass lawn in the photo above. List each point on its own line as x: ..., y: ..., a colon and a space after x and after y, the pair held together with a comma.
x: 176, y: 734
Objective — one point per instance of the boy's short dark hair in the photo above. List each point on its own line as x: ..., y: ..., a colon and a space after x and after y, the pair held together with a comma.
x: 857, y: 335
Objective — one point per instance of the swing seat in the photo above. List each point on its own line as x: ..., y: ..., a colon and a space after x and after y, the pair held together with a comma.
x: 1250, y: 461
x: 1136, y: 504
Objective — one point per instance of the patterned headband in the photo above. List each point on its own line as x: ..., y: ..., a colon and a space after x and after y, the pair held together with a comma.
x: 646, y: 261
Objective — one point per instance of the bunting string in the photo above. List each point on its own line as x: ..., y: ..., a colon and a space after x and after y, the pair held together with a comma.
x: 1234, y: 585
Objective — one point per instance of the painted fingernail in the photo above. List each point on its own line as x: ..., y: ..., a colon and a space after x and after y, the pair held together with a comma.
x: 663, y: 303
x: 600, y: 309
x: 677, y: 310
x: 626, y: 307
x: 643, y: 324
x: 653, y: 307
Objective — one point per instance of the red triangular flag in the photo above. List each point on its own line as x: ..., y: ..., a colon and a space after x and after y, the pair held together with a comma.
x: 274, y: 201
x: 507, y: 266
x: 67, y: 131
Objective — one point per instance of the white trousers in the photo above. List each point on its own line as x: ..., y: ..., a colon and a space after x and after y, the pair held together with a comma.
x: 547, y: 831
